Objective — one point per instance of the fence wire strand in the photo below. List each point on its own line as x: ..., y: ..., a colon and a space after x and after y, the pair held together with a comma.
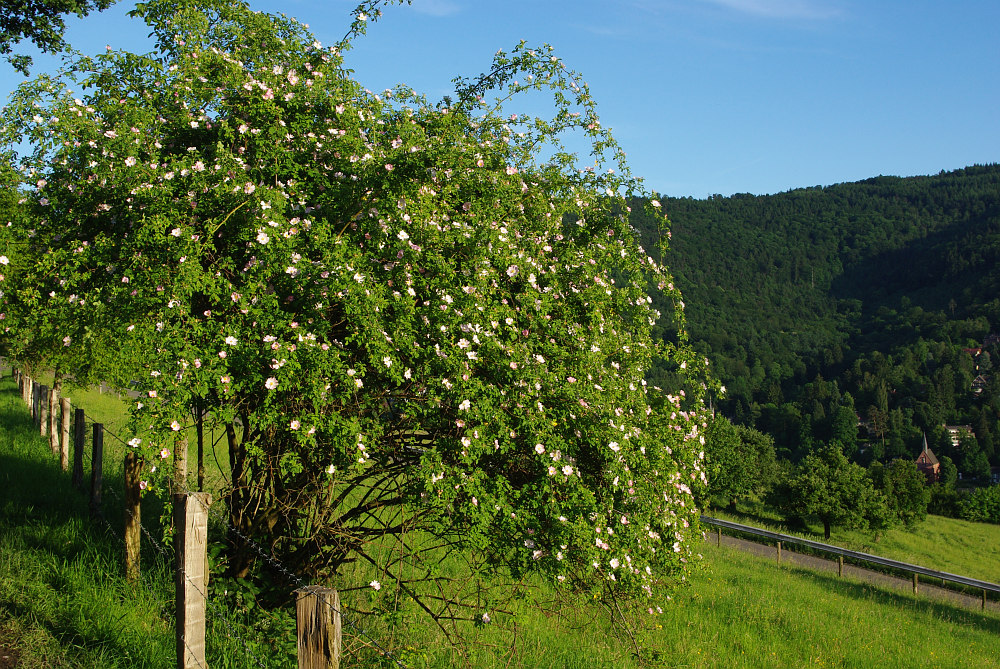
x: 299, y: 582
x: 219, y: 610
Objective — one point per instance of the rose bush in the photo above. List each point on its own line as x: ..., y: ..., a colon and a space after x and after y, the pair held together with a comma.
x: 422, y: 330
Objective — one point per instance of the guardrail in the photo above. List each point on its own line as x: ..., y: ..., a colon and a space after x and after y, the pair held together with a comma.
x: 983, y: 586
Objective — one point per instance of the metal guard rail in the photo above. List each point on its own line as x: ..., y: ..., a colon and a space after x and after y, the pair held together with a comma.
x: 864, y: 557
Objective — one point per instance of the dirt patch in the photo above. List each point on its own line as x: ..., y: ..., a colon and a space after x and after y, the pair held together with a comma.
x: 10, y: 641
x: 9, y: 655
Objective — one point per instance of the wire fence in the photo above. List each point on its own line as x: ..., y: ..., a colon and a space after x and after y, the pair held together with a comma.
x: 87, y: 449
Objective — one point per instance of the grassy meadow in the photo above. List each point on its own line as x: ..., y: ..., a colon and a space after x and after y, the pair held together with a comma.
x: 65, y: 603
x: 946, y: 544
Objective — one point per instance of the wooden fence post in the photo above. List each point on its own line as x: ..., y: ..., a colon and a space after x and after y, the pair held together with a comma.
x: 718, y: 536
x: 54, y: 420
x: 318, y: 627
x: 779, y: 552
x: 200, y: 431
x: 64, y: 438
x: 79, y: 435
x: 191, y: 576
x: 984, y: 600
x: 180, y: 464
x: 916, y: 579
x: 97, y: 470
x: 43, y: 410
x: 840, y: 566
x: 133, y: 515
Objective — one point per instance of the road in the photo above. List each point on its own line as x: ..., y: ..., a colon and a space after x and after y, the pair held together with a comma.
x: 924, y: 589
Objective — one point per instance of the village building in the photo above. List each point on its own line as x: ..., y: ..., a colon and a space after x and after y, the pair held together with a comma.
x: 956, y: 432
x: 928, y: 463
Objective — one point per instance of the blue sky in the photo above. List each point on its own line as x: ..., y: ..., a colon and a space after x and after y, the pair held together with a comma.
x: 706, y: 96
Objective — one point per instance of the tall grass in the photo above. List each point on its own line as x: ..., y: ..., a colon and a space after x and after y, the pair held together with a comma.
x: 63, y: 597
x: 64, y: 603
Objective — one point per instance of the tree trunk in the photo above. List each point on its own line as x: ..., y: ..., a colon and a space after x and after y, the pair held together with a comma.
x: 826, y: 529
x: 240, y: 558
x: 200, y: 428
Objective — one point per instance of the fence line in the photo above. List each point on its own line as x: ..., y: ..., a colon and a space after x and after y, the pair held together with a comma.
x: 318, y: 611
x: 915, y: 570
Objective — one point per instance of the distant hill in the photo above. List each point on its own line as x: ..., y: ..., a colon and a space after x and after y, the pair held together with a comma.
x: 803, y: 297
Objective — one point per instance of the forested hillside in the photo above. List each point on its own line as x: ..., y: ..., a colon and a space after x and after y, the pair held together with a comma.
x: 819, y: 303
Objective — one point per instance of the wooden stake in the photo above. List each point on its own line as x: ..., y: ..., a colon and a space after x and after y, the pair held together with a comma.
x: 191, y: 576
x: 79, y: 437
x: 200, y: 429
x: 64, y: 439
x: 779, y: 552
x: 54, y: 420
x: 916, y: 580
x: 840, y: 566
x: 97, y: 470
x: 180, y: 464
x: 133, y: 515
x: 318, y: 626
x: 43, y: 410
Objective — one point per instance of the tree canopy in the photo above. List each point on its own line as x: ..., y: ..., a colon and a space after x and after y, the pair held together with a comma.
x: 835, y: 491
x: 41, y: 22
x: 420, y: 335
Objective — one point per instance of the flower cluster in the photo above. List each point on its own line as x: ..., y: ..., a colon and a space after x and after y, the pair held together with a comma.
x: 364, y: 279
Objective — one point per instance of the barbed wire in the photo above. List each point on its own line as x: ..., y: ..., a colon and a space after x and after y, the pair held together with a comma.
x: 297, y: 580
x: 145, y: 580
x: 231, y: 632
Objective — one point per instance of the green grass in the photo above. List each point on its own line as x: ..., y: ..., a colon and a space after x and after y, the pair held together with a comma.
x: 63, y: 599
x: 65, y: 603
x: 111, y: 409
x: 946, y: 544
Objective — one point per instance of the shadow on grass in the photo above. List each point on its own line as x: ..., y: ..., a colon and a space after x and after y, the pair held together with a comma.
x: 59, y: 555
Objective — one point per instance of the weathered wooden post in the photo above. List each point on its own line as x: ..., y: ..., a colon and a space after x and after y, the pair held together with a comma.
x: 64, y: 438
x: 200, y: 431
x: 840, y: 566
x: 779, y: 552
x: 54, y: 420
x: 97, y: 469
x: 718, y: 536
x: 43, y: 410
x: 318, y: 625
x: 180, y: 464
x: 984, y: 600
x: 79, y: 436
x: 133, y: 515
x: 916, y: 579
x: 191, y: 576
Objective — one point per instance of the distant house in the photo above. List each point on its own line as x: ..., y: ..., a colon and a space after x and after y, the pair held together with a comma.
x: 928, y: 463
x: 973, y: 351
x: 979, y: 384
x: 956, y: 432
